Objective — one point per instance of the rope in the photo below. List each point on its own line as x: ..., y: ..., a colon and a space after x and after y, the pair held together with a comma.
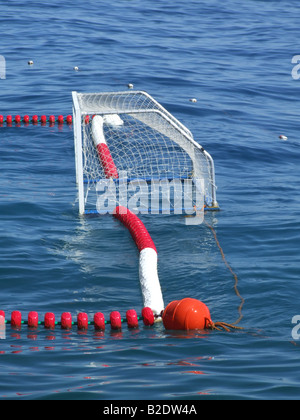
x: 220, y: 326
x: 223, y: 325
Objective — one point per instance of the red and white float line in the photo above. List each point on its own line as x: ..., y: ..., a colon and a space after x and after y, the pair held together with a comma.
x: 105, y: 157
x: 148, y: 275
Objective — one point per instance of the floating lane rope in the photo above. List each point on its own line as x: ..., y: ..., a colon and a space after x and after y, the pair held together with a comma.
x: 35, y: 119
x: 82, y: 321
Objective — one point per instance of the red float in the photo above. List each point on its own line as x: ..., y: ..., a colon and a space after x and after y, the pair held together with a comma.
x: 16, y: 319
x: 99, y: 321
x: 66, y: 321
x: 49, y: 320
x: 132, y: 318
x: 115, y: 320
x: 82, y: 321
x: 33, y: 319
x: 60, y: 119
x: 69, y: 119
x: 186, y: 314
x: 148, y: 317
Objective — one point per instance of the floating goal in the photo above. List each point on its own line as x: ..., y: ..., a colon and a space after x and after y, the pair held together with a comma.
x: 153, y: 164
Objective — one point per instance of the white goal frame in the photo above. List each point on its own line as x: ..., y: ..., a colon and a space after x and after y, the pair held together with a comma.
x: 120, y: 103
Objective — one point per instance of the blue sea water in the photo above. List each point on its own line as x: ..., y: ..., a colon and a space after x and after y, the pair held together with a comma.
x: 236, y: 60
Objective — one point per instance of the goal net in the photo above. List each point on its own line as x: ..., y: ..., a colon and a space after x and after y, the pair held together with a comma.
x: 131, y: 151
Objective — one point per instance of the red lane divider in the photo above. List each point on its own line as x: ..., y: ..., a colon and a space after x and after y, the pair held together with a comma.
x: 35, y: 119
x: 82, y: 320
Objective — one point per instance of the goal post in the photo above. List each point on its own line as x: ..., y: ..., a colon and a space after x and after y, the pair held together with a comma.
x: 77, y: 117
x: 148, y: 147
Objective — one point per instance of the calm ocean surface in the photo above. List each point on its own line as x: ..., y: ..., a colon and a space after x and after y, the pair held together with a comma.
x: 236, y: 60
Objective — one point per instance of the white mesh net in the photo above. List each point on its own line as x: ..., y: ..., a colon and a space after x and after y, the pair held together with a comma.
x: 148, y: 147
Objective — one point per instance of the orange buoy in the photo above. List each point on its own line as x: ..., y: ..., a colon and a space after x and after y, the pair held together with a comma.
x: 186, y: 314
